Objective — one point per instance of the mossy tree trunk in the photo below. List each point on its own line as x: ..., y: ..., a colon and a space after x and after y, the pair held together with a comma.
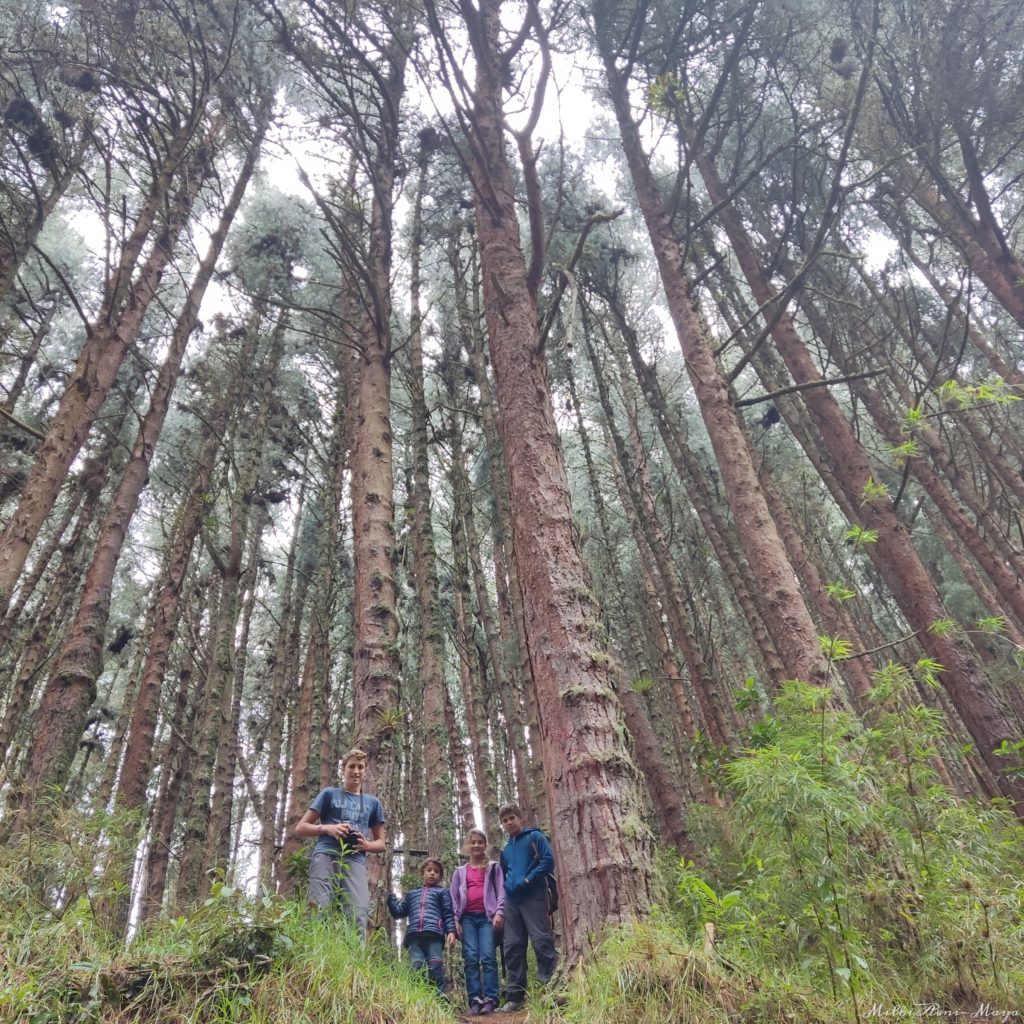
x: 591, y: 780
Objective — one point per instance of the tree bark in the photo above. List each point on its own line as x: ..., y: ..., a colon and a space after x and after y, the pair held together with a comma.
x: 591, y: 779
x: 893, y: 553
x: 722, y: 536
x: 71, y: 689
x: 106, y: 344
x: 193, y: 881
x: 437, y: 750
x: 785, y: 611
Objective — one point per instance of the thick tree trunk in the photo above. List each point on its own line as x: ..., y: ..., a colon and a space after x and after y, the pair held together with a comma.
x: 893, y: 553
x: 662, y: 789
x: 509, y: 657
x: 375, y: 667
x: 591, y: 780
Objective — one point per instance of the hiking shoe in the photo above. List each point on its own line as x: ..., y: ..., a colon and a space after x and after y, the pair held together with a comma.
x: 510, y: 1007
x: 475, y: 1007
x: 487, y: 1006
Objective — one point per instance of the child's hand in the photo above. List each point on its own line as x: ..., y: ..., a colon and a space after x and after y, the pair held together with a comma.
x: 450, y: 938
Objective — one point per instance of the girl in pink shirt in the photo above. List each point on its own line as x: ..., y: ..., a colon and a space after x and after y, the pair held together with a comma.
x: 478, y: 894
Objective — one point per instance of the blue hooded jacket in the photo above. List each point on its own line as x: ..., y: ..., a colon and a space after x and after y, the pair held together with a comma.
x: 526, y: 859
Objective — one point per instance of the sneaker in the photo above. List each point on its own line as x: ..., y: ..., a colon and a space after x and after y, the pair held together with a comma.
x: 475, y: 1007
x: 510, y: 1007
x: 487, y: 1006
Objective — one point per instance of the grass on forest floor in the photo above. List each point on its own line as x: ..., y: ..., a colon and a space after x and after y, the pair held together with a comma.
x: 293, y: 967
x: 844, y: 884
x: 303, y: 969
x: 283, y: 965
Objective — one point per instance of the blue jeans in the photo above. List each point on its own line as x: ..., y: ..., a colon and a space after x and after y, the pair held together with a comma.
x: 478, y: 952
x: 426, y: 955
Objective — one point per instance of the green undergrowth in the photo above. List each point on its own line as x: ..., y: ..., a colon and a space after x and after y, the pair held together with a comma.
x: 842, y: 867
x: 232, y: 960
x: 840, y: 882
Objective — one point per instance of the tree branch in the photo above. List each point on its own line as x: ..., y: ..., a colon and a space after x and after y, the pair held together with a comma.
x: 20, y: 425
x: 794, y: 388
x: 600, y: 217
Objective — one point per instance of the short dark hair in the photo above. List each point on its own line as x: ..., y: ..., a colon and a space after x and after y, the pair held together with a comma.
x: 437, y: 864
x: 510, y: 809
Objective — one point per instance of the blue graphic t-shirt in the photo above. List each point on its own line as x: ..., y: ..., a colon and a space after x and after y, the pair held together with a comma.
x: 334, y: 804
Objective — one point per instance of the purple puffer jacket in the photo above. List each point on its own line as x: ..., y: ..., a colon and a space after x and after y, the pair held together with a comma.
x: 494, y: 891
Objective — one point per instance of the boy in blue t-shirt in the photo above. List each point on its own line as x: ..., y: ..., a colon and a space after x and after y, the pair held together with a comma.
x: 347, y: 824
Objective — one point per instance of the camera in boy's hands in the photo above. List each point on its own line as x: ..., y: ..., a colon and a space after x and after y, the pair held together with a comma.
x: 350, y: 840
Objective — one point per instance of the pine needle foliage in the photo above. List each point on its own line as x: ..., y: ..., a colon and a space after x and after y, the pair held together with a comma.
x: 845, y: 865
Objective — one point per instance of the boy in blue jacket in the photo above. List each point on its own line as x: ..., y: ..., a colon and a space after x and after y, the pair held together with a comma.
x: 431, y: 923
x: 526, y: 861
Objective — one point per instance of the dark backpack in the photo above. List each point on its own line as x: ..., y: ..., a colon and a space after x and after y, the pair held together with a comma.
x: 550, y: 882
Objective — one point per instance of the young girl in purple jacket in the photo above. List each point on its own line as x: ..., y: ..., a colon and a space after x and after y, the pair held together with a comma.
x: 478, y: 894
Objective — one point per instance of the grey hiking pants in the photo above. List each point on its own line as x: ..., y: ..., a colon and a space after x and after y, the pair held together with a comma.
x: 341, y: 880
x: 528, y: 920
